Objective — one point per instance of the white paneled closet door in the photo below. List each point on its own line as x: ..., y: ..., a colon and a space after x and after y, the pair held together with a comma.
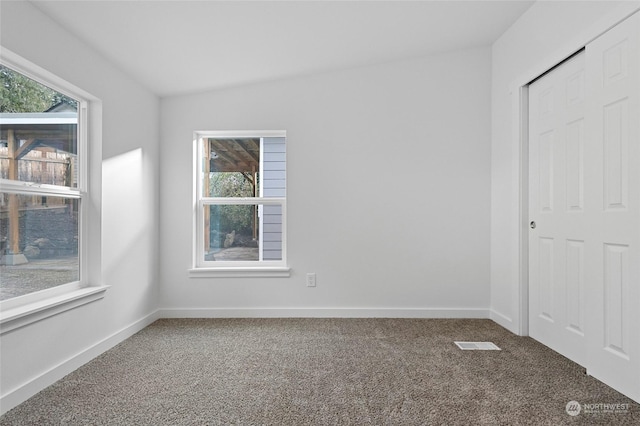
x: 613, y: 274
x: 559, y: 227
x: 584, y: 173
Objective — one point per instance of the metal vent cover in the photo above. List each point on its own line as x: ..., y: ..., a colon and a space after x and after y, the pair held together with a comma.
x: 477, y: 346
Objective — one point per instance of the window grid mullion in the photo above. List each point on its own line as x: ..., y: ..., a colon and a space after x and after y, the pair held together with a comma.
x: 28, y: 188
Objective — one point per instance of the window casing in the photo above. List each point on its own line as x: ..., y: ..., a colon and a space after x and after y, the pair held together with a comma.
x: 240, y: 204
x: 45, y: 199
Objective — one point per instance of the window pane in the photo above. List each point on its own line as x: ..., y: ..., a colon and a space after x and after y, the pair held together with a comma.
x: 38, y: 132
x: 231, y: 167
x: 38, y: 243
x: 243, y: 232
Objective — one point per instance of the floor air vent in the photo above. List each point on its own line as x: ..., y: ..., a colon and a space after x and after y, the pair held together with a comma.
x: 477, y: 346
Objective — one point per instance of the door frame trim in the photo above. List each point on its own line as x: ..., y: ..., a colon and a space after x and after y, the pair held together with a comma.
x: 523, y: 206
x: 519, y: 91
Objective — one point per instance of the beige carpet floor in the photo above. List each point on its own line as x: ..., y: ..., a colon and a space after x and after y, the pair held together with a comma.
x: 324, y: 372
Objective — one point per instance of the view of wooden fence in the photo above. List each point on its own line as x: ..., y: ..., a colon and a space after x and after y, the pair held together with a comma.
x: 44, y: 166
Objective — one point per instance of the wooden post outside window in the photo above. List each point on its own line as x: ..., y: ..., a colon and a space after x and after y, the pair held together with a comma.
x: 14, y: 207
x: 254, y: 185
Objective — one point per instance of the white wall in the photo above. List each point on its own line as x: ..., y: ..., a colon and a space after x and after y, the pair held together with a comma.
x: 36, y: 354
x: 543, y: 36
x: 388, y: 191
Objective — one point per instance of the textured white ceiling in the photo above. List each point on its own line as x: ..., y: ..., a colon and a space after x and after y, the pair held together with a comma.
x: 176, y: 47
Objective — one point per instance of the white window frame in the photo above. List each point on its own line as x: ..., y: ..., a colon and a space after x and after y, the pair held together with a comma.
x: 258, y: 268
x: 23, y: 310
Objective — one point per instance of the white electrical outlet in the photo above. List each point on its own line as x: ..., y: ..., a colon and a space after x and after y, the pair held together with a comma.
x: 311, y: 279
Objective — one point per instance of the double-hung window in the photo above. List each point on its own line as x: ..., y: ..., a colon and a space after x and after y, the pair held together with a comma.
x: 240, y: 203
x: 43, y: 195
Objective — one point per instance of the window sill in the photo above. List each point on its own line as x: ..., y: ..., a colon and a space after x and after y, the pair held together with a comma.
x: 14, y: 318
x: 241, y: 272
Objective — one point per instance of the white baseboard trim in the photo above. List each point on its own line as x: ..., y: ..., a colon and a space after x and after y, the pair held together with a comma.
x: 325, y: 313
x: 502, y: 320
x: 16, y: 396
